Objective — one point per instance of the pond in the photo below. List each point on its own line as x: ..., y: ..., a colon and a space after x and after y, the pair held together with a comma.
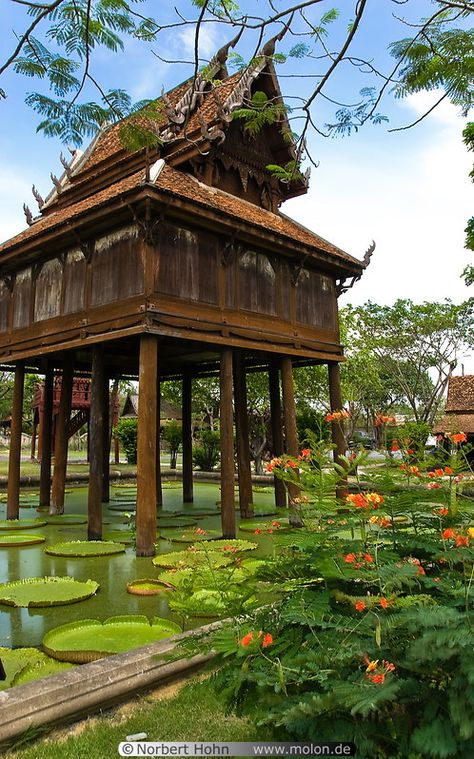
x: 27, y: 627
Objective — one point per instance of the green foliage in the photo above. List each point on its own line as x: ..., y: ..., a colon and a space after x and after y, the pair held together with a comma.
x: 127, y: 432
x: 312, y: 421
x: 288, y: 173
x: 260, y: 111
x: 206, y: 452
x: 173, y: 436
x: 350, y: 118
x: 414, y: 435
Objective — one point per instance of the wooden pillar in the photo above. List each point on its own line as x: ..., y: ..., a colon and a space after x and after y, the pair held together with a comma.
x: 337, y: 432
x: 106, y: 416
x: 13, y: 493
x: 227, y: 446
x: 187, y: 438
x: 159, y: 487
x: 96, y: 447
x: 242, y: 435
x: 34, y: 430
x: 146, y: 448
x: 40, y: 434
x: 291, y: 433
x: 46, y: 438
x: 61, y: 439
x: 277, y: 430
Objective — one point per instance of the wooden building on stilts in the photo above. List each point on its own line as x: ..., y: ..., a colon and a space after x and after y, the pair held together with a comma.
x: 172, y: 262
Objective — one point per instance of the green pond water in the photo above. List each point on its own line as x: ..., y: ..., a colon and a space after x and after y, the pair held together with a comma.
x: 27, y: 627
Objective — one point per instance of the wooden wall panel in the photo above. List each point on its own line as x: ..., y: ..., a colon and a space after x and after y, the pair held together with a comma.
x: 74, y: 279
x: 5, y: 297
x: 316, y: 300
x: 48, y: 290
x: 117, y: 269
x: 187, y: 264
x: 22, y: 290
x: 257, y: 284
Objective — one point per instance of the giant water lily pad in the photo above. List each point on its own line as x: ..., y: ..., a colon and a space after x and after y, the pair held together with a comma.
x: 191, y: 536
x: 89, y: 639
x: 231, y: 546
x: 10, y: 540
x: 42, y: 668
x: 46, y: 591
x: 15, y: 660
x: 147, y: 587
x: 21, y: 524
x: 182, y: 559
x: 83, y: 548
x: 66, y: 519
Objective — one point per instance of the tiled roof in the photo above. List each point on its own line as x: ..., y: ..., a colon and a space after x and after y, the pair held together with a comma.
x: 453, y: 423
x: 181, y: 185
x: 461, y: 394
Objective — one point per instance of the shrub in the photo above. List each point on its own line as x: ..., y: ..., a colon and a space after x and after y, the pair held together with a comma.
x: 173, y: 436
x: 206, y: 452
x: 127, y: 431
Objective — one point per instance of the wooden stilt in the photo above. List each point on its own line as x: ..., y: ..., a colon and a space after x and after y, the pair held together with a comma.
x: 227, y: 446
x: 34, y: 430
x: 106, y: 444
x: 291, y: 433
x: 46, y: 438
x: 61, y: 439
x: 96, y: 447
x: 13, y: 493
x: 337, y: 433
x: 277, y: 430
x: 242, y: 435
x: 40, y: 435
x: 187, y: 439
x: 146, y: 449
x: 159, y: 487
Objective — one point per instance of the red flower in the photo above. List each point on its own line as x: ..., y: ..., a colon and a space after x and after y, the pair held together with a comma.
x: 305, y: 453
x: 360, y: 606
x: 379, y: 679
x: 351, y: 557
x: 383, y: 603
x: 439, y: 472
x: 448, y: 470
x: 270, y: 530
x: 459, y: 437
x: 433, y: 485
x: 462, y: 541
x: 448, y: 534
x: 257, y: 531
x: 276, y: 524
x: 267, y: 640
x: 421, y: 571
x: 368, y: 557
x: 246, y: 640
x: 395, y: 447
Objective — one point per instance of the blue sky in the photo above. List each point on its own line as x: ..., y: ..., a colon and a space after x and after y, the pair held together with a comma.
x: 408, y: 190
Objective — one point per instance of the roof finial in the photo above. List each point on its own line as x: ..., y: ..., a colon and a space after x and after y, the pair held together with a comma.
x: 269, y: 47
x: 66, y: 165
x: 223, y: 52
x: 37, y: 197
x: 368, y: 255
x: 56, y: 182
x: 28, y: 215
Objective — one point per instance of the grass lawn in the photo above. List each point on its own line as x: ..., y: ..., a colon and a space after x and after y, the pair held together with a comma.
x: 195, y: 712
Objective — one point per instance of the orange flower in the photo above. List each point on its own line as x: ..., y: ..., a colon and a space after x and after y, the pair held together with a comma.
x: 462, y: 541
x: 410, y: 451
x: 257, y: 531
x: 442, y: 511
x: 246, y: 640
x: 448, y: 470
x: 394, y: 447
x: 379, y: 679
x: 383, y: 603
x: 374, y: 498
x: 337, y: 416
x: 459, y: 437
x: 440, y: 472
x: 273, y: 463
x: 448, y: 534
x: 414, y: 470
x: 350, y: 558
x: 267, y: 640
x: 276, y: 524
x: 368, y: 557
x: 433, y: 485
x: 360, y: 606
x: 305, y: 453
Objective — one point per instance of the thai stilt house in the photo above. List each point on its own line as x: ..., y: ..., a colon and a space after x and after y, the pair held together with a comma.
x: 173, y: 262
x: 459, y: 412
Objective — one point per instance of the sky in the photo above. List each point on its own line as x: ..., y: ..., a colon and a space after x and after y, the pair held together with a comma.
x: 409, y: 191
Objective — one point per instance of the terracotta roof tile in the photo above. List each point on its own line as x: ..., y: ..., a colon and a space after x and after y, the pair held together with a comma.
x: 461, y: 393
x: 453, y: 423
x: 184, y: 186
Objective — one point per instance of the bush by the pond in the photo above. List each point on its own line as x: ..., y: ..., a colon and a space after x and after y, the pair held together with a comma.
x: 206, y: 451
x: 127, y: 432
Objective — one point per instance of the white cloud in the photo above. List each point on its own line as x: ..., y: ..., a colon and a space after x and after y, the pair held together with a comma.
x: 421, y: 102
x: 208, y: 41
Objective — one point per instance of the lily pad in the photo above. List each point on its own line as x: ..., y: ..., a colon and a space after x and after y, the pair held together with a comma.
x: 147, y: 587
x: 21, y: 524
x: 191, y: 536
x: 119, y: 536
x: 232, y: 546
x: 273, y: 525
x: 42, y: 668
x: 176, y: 523
x: 66, y: 519
x: 46, y: 591
x: 11, y: 540
x: 82, y: 548
x: 182, y: 559
x: 89, y: 639
x: 15, y: 660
